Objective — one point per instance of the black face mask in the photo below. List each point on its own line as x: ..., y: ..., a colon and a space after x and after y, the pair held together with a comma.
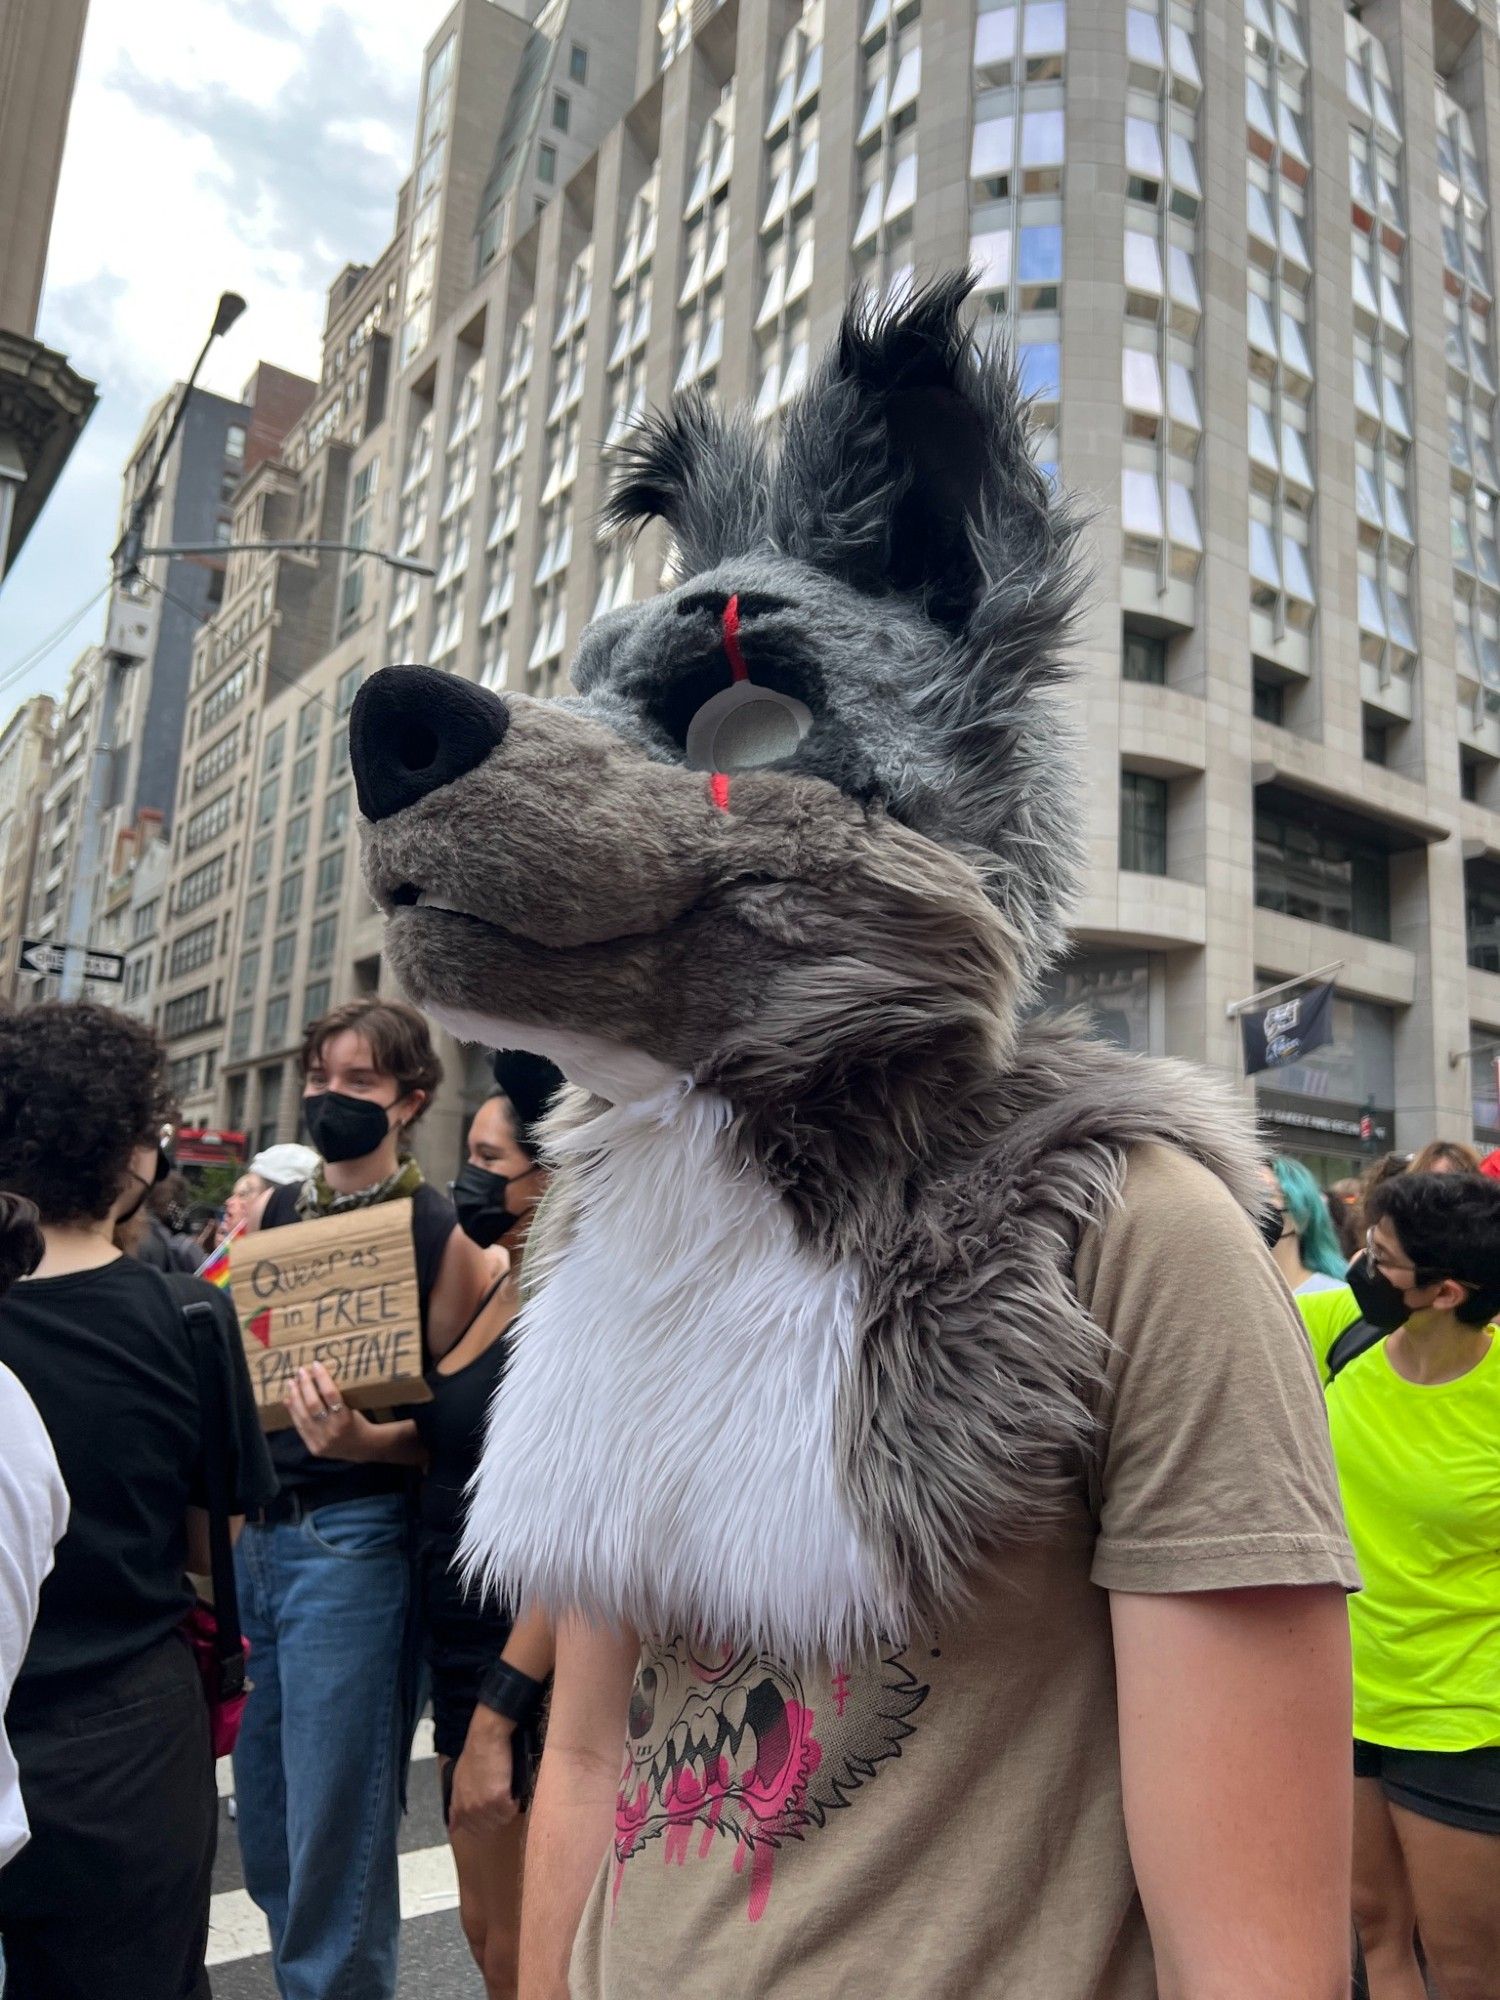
x: 1379, y: 1301
x: 1272, y: 1226
x: 345, y: 1128
x: 479, y: 1198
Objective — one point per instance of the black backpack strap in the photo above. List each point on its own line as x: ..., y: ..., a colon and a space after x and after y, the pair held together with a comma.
x: 207, y: 1345
x: 1357, y: 1337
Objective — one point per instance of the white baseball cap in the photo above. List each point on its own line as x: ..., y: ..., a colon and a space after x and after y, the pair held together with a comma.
x: 285, y: 1166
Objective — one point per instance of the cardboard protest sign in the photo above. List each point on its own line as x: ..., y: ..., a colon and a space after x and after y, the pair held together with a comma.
x: 341, y: 1290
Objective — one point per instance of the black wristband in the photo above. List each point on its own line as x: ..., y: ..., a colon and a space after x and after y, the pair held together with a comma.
x: 510, y: 1693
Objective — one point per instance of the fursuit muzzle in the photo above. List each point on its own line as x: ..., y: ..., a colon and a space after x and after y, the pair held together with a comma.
x: 776, y: 889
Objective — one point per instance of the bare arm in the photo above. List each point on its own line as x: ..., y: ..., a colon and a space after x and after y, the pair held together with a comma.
x: 463, y: 1279
x: 1235, y: 1737
x: 483, y: 1798
x: 574, y: 1814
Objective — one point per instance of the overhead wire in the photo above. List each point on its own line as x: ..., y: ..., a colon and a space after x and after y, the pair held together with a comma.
x: 19, y: 669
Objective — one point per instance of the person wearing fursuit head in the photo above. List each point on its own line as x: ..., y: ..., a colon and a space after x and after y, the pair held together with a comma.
x: 907, y: 1427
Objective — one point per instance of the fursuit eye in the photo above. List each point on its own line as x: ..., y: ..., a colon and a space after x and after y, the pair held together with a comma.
x: 744, y: 726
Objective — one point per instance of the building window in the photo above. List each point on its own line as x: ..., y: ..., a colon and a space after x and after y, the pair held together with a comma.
x: 193, y: 949
x: 239, y: 1037
x: 277, y: 1011
x: 1143, y: 823
x: 1319, y: 873
x: 347, y: 689
x: 320, y: 943
x: 309, y: 722
x: 546, y: 163
x: 1482, y: 913
x: 234, y: 443
x: 209, y: 822
x: 578, y: 63
x: 296, y: 838
x: 289, y: 897
x: 182, y: 1015
x: 315, y: 1000
x: 335, y: 815
x: 303, y: 774
x: 1268, y: 700
x: 270, y: 798
x: 560, y: 111
x: 330, y: 876
x: 1376, y: 742
x: 283, y: 957
x: 249, y: 973
x: 1144, y: 658
x: 143, y: 919
x: 275, y: 750
x: 1115, y: 987
x: 1468, y: 780
x: 197, y: 887
x: 255, y: 915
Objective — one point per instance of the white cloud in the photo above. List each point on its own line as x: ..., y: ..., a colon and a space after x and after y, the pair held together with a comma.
x: 233, y: 145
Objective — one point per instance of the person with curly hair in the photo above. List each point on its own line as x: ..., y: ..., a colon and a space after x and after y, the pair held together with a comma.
x: 107, y: 1717
x: 33, y: 1513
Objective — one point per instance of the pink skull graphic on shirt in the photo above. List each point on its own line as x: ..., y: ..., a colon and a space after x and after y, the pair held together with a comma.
x: 731, y: 1744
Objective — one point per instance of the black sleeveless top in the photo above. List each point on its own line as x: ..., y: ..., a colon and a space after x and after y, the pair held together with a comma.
x: 452, y: 1428
x: 317, y: 1482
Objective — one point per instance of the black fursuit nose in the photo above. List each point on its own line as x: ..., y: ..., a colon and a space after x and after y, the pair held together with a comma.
x: 413, y: 730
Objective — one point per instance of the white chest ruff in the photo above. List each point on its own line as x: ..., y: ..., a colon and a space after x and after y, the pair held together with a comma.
x: 662, y: 1449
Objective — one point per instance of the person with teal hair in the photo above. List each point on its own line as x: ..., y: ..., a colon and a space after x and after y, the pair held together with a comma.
x: 1306, y: 1249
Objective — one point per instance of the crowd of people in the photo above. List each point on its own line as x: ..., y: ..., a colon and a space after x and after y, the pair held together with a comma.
x: 357, y: 1612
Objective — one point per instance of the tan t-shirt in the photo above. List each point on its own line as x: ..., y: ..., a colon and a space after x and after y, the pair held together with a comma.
x: 946, y: 1822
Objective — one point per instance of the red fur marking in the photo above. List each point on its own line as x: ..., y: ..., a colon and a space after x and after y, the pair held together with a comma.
x: 718, y: 790
x: 737, y: 665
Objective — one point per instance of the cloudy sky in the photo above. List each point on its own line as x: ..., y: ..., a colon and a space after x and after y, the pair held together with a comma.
x: 253, y: 146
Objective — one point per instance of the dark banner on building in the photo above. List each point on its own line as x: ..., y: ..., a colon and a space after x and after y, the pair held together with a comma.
x: 1287, y: 1030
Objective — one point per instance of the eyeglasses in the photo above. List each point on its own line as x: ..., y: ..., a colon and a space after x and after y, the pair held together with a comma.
x: 1381, y: 1260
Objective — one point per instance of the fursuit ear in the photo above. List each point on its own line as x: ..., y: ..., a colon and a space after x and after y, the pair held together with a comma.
x: 700, y: 471
x: 905, y: 464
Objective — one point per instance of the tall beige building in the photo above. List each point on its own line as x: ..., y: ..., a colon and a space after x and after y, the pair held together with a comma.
x: 43, y: 403
x: 1244, y: 251
x: 266, y: 922
x: 26, y: 746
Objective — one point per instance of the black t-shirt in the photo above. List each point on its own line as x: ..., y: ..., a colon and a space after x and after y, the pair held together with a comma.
x: 322, y: 1480
x: 104, y: 1355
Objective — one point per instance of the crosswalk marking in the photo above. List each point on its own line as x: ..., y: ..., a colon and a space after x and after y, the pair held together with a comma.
x: 236, y: 1928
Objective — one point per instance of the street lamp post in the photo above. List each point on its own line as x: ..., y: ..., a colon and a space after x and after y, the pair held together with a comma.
x: 126, y: 564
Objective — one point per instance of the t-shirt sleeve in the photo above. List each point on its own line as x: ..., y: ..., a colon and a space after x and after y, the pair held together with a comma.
x: 252, y: 1477
x: 1214, y: 1469
x: 1325, y: 1314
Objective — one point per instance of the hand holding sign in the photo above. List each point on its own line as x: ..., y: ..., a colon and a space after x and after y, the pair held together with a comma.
x: 341, y: 1292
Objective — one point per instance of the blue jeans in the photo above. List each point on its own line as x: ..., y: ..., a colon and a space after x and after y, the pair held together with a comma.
x: 318, y: 1767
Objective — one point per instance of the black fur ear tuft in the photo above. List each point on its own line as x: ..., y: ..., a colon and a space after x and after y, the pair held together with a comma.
x: 702, y: 473
x: 904, y: 453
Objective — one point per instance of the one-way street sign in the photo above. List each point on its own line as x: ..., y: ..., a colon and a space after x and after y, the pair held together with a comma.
x: 39, y: 956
